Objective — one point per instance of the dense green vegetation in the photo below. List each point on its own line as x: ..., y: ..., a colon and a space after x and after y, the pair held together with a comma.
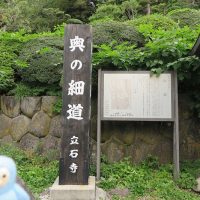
x: 150, y: 179
x: 32, y: 16
x: 125, y: 38
x: 130, y: 9
x: 147, y: 179
x: 185, y: 17
x: 38, y: 172
x: 154, y: 35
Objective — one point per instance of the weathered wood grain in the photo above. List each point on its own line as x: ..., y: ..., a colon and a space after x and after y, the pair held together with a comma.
x: 73, y: 127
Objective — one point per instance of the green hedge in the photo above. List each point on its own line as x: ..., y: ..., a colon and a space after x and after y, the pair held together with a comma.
x: 44, y: 58
x: 111, y: 11
x: 107, y: 32
x: 26, y: 58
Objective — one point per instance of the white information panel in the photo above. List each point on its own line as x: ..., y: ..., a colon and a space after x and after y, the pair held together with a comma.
x: 137, y: 96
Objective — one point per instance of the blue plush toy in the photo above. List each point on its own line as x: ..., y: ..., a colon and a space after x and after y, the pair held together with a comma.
x: 9, y: 189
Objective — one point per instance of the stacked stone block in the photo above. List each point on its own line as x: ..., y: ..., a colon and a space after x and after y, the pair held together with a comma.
x: 31, y: 124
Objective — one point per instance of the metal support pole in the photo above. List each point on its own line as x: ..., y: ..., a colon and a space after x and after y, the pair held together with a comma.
x: 176, y: 170
x: 99, y: 127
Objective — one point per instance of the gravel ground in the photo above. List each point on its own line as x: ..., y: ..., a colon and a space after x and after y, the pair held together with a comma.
x: 45, y: 195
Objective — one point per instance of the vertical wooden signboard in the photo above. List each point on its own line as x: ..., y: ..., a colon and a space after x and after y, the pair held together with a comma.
x: 76, y: 105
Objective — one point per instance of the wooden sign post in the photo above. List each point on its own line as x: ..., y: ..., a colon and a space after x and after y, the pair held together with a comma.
x: 74, y: 159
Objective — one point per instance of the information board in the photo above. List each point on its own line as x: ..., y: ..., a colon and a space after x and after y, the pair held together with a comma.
x: 137, y: 95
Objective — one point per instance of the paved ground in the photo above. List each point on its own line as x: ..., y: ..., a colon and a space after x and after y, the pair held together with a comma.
x: 100, y: 195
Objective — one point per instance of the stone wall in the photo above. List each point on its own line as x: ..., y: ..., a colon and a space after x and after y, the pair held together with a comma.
x: 137, y: 140
x: 31, y: 124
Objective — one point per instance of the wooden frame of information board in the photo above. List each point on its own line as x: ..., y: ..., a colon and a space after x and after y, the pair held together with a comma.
x: 172, y: 116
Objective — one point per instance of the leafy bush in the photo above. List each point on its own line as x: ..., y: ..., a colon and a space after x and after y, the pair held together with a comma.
x: 47, y: 19
x: 6, y: 79
x: 32, y: 16
x: 181, y: 4
x: 22, y: 90
x: 78, y: 9
x: 160, y: 8
x: 28, y: 90
x: 130, y: 9
x: 9, y: 49
x: 57, y: 106
x: 114, y: 56
x: 106, y: 32
x: 185, y: 17
x: 111, y: 11
x: 74, y: 21
x: 161, y: 48
x: 147, y: 179
x: 38, y: 172
x: 44, y: 58
x: 164, y: 50
x: 186, y: 181
x: 118, y: 11
x: 100, y: 21
x: 20, y: 52
x: 157, y: 21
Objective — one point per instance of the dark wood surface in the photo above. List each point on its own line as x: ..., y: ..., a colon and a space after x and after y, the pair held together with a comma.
x: 74, y: 127
x: 196, y: 48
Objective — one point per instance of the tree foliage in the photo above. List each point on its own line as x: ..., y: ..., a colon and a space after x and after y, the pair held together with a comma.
x: 32, y: 16
x: 186, y: 17
x: 44, y: 60
x: 110, y: 11
x: 157, y: 21
x: 79, y: 9
x: 131, y: 8
x: 106, y: 32
x: 19, y: 51
x: 31, y: 64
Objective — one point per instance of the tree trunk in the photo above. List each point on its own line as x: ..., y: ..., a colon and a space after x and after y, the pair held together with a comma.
x: 148, y: 8
x: 193, y: 2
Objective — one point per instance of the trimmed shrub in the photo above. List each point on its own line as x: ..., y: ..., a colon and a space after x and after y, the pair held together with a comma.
x: 107, y: 32
x: 32, y: 16
x: 44, y: 59
x: 74, y: 21
x: 111, y: 11
x: 157, y: 21
x: 185, y: 17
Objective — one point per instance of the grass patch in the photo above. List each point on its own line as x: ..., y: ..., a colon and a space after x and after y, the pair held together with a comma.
x: 150, y: 180
x: 38, y: 172
x: 146, y: 181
